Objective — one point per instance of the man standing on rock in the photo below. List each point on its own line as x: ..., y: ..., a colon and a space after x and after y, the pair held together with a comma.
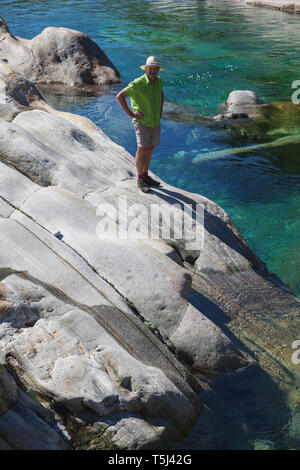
x: 147, y: 97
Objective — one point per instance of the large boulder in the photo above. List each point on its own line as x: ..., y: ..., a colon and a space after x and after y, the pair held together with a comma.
x: 68, y: 183
x: 242, y: 101
x: 58, y: 56
x: 239, y: 107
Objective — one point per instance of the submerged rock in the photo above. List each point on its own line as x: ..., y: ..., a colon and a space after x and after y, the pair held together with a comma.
x: 242, y: 101
x: 279, y: 119
x: 57, y: 56
x: 245, y: 116
x: 241, y: 106
x: 274, y: 125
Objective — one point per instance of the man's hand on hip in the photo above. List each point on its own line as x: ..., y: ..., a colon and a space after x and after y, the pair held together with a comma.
x: 137, y: 115
x: 121, y: 97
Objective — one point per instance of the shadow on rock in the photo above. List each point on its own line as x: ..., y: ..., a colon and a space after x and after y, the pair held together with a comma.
x: 213, y: 224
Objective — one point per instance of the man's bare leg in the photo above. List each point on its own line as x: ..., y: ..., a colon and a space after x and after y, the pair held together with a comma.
x: 140, y: 157
x: 148, y: 155
x: 150, y: 181
x: 142, y: 161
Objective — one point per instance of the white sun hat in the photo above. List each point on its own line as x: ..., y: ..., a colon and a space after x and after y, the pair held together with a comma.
x: 151, y: 60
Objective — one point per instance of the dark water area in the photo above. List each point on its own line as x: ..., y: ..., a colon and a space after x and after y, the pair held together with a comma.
x: 208, y: 49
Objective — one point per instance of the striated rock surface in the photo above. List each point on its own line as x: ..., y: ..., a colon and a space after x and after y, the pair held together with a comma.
x: 66, y: 184
x: 74, y: 306
x: 77, y: 304
x: 57, y: 56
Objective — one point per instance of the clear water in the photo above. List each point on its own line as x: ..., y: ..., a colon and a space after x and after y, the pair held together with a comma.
x: 208, y: 48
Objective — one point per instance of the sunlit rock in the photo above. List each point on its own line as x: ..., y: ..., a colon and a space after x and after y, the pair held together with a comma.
x: 57, y: 56
x: 99, y: 327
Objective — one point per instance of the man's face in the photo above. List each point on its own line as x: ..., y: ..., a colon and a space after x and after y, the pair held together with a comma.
x: 152, y: 72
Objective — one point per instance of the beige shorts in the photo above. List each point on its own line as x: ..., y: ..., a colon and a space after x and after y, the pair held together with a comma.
x: 146, y: 136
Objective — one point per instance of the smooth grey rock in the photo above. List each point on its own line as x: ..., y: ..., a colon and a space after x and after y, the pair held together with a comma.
x: 30, y: 139
x: 83, y: 161
x: 197, y: 339
x: 241, y: 103
x: 282, y: 5
x: 139, y: 278
x: 57, y: 55
x: 71, y: 359
x: 28, y: 301
x: 74, y: 307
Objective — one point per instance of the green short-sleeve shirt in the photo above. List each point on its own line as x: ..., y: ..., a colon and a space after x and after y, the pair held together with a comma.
x: 146, y: 97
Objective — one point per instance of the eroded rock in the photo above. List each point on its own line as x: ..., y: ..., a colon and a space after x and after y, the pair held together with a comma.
x: 75, y: 307
x: 241, y: 106
x: 77, y: 359
x: 57, y: 56
x: 85, y: 171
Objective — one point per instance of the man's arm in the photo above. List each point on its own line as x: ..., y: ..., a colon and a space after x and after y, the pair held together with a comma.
x: 121, y: 98
x: 162, y: 103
